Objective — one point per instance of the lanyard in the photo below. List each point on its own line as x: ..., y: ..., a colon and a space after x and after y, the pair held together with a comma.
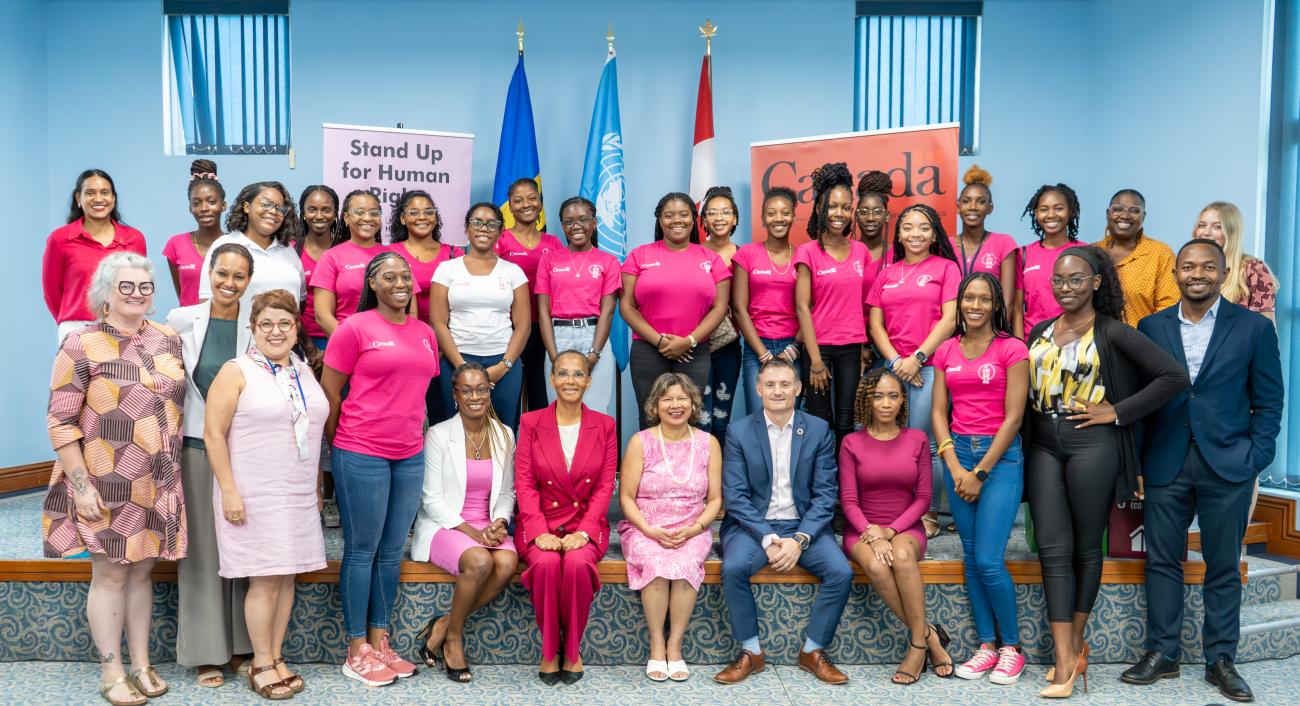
x: 968, y: 267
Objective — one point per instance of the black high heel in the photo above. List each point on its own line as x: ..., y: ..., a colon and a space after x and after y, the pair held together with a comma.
x: 549, y: 678
x: 944, y: 640
x: 569, y: 677
x: 912, y: 678
x: 428, y: 656
x: 462, y: 675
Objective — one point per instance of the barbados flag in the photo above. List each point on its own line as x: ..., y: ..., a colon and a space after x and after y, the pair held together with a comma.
x: 602, y: 183
x: 517, y: 155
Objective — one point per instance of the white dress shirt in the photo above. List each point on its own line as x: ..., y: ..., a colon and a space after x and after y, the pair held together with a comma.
x: 781, y: 505
x: 1196, y: 337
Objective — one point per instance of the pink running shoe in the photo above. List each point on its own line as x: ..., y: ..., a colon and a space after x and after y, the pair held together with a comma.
x: 366, y: 667
x: 984, y: 661
x: 400, y: 667
x: 1011, y: 662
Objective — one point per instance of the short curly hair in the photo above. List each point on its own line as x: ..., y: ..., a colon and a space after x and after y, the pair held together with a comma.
x: 660, y: 388
x: 867, y: 387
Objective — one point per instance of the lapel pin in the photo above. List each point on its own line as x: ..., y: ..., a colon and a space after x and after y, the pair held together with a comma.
x: 799, y: 431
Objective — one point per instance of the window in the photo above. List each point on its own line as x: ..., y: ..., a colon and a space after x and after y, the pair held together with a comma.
x: 226, y: 77
x: 917, y: 63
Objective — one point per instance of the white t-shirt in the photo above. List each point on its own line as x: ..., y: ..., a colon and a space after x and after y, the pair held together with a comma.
x: 569, y: 442
x: 480, y: 305
x: 276, y: 267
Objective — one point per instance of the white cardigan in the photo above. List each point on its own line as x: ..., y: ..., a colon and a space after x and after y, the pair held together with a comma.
x: 445, y: 474
x: 191, y: 324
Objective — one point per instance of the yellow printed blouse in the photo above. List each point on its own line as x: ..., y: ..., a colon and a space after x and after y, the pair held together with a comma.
x: 1062, y: 375
x: 1147, y: 276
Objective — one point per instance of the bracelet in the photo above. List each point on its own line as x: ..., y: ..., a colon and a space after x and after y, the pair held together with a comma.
x: 947, y: 444
x: 767, y: 355
x: 660, y: 344
x: 894, y: 361
x: 817, y: 370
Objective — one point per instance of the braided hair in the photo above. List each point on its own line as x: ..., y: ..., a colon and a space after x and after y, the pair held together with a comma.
x: 1071, y: 202
x: 586, y: 203
x: 826, y: 179
x: 695, y: 214
x: 397, y: 230
x: 301, y: 241
x: 876, y: 183
x: 369, y: 300
x: 1000, y: 321
x: 203, y: 172
x: 941, y: 245
x: 497, y: 434
x: 1108, y: 299
x: 862, y: 412
x: 722, y: 192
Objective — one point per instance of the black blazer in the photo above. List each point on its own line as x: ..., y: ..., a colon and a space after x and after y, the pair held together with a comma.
x: 1139, y: 376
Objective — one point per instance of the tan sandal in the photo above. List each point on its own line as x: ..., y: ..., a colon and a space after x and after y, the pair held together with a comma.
x: 268, y: 691
x: 295, y: 681
x: 153, y: 677
x: 130, y: 687
x: 211, y: 677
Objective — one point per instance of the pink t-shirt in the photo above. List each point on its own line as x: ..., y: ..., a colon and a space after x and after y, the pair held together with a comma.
x: 978, y: 388
x: 674, y: 288
x: 836, y: 292
x: 988, y: 257
x: 511, y: 250
x: 1034, y: 278
x: 911, y: 297
x: 309, y: 325
x: 771, y: 291
x: 390, y: 367
x: 342, y: 270
x: 181, y: 253
x: 422, y: 272
x: 870, y: 271
x: 576, y: 282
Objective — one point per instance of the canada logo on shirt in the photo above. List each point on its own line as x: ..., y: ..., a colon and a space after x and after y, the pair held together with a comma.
x: 986, y: 373
x: 953, y: 369
x: 383, y: 344
x: 757, y: 271
x: 923, y: 280
x: 1031, y: 268
x: 187, y: 267
x: 355, y: 266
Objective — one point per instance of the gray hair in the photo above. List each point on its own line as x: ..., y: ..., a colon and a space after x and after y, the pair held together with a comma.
x: 101, y: 283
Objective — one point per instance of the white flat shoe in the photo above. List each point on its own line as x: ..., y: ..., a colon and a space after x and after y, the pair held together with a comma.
x: 678, y: 667
x: 657, y: 666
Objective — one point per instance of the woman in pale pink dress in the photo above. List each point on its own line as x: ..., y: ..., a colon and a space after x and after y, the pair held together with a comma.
x: 671, y: 491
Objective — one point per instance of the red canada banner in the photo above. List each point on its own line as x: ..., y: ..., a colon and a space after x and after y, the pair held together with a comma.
x: 922, y: 161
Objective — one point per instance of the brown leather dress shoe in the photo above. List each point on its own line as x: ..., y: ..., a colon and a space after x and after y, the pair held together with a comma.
x: 746, y: 664
x: 819, y: 665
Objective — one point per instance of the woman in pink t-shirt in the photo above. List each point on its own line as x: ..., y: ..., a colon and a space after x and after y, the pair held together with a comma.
x: 386, y: 358
x: 185, y: 251
x: 720, y: 218
x: 1054, y: 217
x: 316, y: 234
x: 828, y: 300
x: 872, y: 213
x: 339, y: 277
x: 762, y: 294
x: 675, y: 293
x: 977, y: 249
x: 984, y: 372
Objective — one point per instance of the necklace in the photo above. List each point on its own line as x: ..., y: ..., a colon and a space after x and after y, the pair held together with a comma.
x: 478, y: 446
x: 770, y: 261
x: 903, y: 267
x: 1076, y: 328
x: 578, y: 269
x: 663, y: 451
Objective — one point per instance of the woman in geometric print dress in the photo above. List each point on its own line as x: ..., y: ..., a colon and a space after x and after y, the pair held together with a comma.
x: 115, y: 493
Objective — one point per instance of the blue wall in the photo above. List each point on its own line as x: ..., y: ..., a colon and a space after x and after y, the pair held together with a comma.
x: 1098, y: 94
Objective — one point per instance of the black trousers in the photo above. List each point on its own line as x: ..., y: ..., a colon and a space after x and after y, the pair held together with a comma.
x: 646, y: 365
x: 534, y: 360
x: 1070, y: 476
x: 835, y: 405
x: 1222, y: 506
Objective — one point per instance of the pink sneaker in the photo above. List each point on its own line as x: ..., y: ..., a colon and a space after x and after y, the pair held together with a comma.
x: 982, y: 663
x: 1011, y: 662
x: 400, y: 667
x: 366, y: 667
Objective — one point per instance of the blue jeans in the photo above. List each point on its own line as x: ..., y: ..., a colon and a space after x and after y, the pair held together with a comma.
x: 749, y: 366
x: 985, y: 527
x: 918, y: 417
x: 505, y: 394
x: 720, y: 395
x: 378, y: 499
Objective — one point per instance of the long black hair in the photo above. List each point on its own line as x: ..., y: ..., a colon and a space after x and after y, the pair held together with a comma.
x: 1071, y: 202
x: 237, y: 220
x: 75, y: 211
x: 695, y: 214
x: 1108, y: 299
x: 941, y: 245
x: 368, y: 298
x: 585, y: 202
x: 343, y: 233
x: 301, y: 241
x: 1001, y: 322
x: 397, y: 231
x: 826, y: 179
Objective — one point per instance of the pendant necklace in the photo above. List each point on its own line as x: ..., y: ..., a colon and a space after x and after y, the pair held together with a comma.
x: 478, y: 447
x: 690, y: 462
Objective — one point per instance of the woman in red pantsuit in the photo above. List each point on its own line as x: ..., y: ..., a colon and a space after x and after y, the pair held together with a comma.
x: 565, y: 465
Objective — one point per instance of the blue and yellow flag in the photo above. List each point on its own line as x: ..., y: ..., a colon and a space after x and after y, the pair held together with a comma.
x: 517, y: 155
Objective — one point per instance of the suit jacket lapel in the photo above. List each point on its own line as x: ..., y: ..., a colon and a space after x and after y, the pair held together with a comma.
x: 760, y: 424
x: 201, y: 319
x: 1222, y: 329
x: 587, y: 445
x: 456, y: 444
x: 1174, y: 333
x: 796, y: 444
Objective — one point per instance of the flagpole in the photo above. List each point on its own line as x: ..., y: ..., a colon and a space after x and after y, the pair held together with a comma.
x: 618, y: 379
x: 520, y: 34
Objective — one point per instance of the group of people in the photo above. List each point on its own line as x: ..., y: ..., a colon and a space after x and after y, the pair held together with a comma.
x: 1070, y: 375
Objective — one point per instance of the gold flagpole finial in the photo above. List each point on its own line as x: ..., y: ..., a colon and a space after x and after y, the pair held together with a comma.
x: 520, y: 34
x: 708, y: 32
x: 609, y: 37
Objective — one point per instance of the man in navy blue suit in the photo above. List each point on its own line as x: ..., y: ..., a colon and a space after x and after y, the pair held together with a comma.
x: 779, y: 488
x: 1201, y: 455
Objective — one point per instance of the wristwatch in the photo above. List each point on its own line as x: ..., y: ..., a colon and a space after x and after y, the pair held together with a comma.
x: 982, y: 474
x: 694, y: 342
x: 593, y: 351
x: 803, y: 540
x: 920, y: 356
x: 508, y: 363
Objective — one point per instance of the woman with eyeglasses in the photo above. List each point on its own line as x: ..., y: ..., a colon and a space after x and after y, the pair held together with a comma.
x: 675, y: 293
x: 265, y: 417
x: 339, y: 277
x: 479, y: 307
x: 185, y: 251
x: 524, y: 243
x: 386, y: 357
x: 1053, y: 213
x: 720, y: 218
x: 264, y: 220
x: 465, y: 507
x: 94, y: 230
x: 872, y: 216
x: 577, y: 290
x: 564, y: 478
x: 1145, y: 265
x: 320, y: 214
x: 977, y: 249
x: 115, y: 494
x: 762, y: 289
x: 1092, y: 379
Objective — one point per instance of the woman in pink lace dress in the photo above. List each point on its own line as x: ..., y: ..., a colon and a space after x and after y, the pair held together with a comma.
x: 671, y: 492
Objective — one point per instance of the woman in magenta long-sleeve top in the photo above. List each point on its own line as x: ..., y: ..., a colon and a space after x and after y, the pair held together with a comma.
x: 565, y: 465
x: 885, y: 489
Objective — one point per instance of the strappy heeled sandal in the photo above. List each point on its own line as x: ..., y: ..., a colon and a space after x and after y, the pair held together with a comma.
x: 268, y: 691
x: 294, y: 681
x: 428, y: 656
x: 153, y: 677
x: 944, y: 641
x: 130, y: 687
x: 912, y: 678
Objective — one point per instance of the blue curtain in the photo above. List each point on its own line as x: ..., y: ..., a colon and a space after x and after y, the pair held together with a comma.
x: 232, y: 81
x: 1283, y: 212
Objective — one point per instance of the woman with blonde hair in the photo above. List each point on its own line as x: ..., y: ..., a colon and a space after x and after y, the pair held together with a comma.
x: 1249, y: 282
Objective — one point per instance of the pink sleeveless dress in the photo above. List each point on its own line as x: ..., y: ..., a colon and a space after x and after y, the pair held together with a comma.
x: 671, y: 494
x: 448, y: 544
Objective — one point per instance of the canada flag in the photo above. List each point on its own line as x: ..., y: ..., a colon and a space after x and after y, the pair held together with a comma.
x: 704, y: 166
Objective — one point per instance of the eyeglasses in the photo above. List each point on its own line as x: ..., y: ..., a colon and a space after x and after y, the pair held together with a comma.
x: 873, y: 212
x: 126, y: 289
x: 575, y: 222
x: 361, y: 212
x: 480, y: 391
x: 416, y: 213
x: 716, y: 212
x: 574, y: 375
x: 480, y: 224
x: 282, y: 326
x: 1134, y: 211
x: 282, y: 209
x: 1071, y: 283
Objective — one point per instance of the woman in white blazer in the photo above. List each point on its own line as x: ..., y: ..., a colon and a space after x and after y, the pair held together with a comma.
x: 210, y: 622
x: 468, y: 498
